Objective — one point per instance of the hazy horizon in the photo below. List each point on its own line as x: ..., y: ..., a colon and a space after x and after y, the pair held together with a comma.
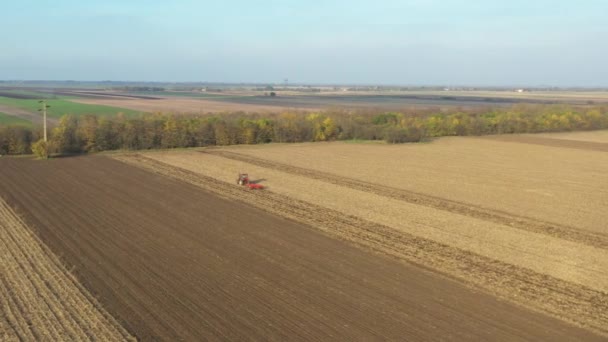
x: 416, y: 43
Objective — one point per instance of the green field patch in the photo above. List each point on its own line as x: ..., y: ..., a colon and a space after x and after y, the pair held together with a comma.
x: 365, y: 141
x: 60, y: 107
x: 6, y: 119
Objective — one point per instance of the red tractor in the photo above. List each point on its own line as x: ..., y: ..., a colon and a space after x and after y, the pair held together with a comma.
x: 244, y: 180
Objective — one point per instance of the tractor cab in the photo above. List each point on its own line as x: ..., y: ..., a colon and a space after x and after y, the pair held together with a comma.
x: 243, y: 179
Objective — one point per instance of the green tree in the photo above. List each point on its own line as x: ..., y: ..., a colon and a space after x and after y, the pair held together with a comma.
x: 205, y: 133
x: 107, y: 134
x: 87, y: 132
x: 65, y: 136
x: 222, y: 136
x: 15, y: 140
x: 330, y: 129
x: 265, y: 132
x: 171, y: 134
x: 40, y: 149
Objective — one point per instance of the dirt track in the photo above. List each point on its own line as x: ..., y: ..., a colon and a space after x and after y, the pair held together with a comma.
x: 173, y: 262
x: 600, y: 136
x: 24, y: 114
x: 565, y: 143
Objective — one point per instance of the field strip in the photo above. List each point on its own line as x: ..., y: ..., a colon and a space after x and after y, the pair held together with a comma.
x: 552, y: 229
x: 24, y: 114
x: 181, y: 105
x: 575, y: 303
x: 39, y: 298
x: 600, y: 136
x: 552, y: 142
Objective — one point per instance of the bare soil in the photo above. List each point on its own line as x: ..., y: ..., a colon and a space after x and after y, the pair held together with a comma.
x: 173, y: 261
x: 24, y: 114
x: 600, y: 136
x: 553, y: 142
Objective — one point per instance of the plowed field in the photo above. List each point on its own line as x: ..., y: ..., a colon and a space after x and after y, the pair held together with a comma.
x: 175, y: 255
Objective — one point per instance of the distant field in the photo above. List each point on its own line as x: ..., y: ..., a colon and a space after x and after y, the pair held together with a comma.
x: 6, y: 119
x: 257, y: 102
x: 23, y: 94
x: 417, y: 99
x: 193, y: 94
x: 60, y: 107
x: 248, y: 100
x: 188, y: 105
x: 200, y: 103
x: 572, y: 97
x: 396, y: 100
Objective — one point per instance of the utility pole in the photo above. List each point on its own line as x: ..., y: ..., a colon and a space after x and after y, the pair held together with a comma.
x: 43, y: 110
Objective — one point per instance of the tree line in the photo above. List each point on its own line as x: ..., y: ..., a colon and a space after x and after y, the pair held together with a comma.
x: 89, y: 133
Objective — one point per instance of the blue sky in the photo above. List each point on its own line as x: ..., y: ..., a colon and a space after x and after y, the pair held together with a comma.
x: 408, y: 42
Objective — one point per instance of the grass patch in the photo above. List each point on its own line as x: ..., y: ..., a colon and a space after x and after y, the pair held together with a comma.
x: 6, y: 119
x: 364, y: 141
x: 60, y: 107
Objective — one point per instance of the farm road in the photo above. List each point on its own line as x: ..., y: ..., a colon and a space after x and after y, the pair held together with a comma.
x: 536, y: 140
x: 173, y: 262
